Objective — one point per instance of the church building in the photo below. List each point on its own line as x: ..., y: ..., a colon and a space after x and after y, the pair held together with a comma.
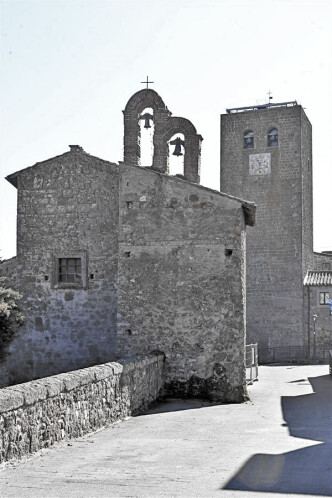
x: 116, y: 260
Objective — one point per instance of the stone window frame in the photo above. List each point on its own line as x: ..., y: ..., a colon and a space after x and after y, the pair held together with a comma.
x: 273, y: 137
x: 80, y: 254
x: 249, y: 139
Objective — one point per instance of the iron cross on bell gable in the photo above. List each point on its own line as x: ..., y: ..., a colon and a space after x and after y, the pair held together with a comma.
x: 147, y: 116
x: 147, y: 82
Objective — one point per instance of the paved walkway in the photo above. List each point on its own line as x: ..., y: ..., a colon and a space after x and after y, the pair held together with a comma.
x: 279, y: 443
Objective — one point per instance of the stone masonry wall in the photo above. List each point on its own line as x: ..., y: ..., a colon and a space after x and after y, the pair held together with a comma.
x: 321, y: 262
x: 307, y: 195
x: 40, y: 413
x: 181, y: 282
x: 67, y: 205
x: 8, y: 269
x: 278, y: 245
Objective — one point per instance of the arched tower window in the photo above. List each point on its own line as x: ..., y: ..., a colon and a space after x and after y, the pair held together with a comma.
x: 248, y: 140
x: 272, y: 138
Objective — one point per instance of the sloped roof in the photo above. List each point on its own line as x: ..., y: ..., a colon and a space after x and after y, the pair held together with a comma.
x: 318, y: 278
x: 74, y: 149
x: 249, y: 208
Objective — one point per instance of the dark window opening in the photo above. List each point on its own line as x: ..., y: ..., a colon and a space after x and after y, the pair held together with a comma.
x: 249, y: 140
x: 46, y: 278
x: 127, y: 254
x: 323, y: 297
x: 92, y: 276
x: 70, y: 270
x: 128, y: 332
x: 228, y: 252
x: 273, y: 138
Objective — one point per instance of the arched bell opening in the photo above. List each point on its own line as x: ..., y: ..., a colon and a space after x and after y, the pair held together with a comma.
x: 146, y: 125
x: 136, y: 105
x: 176, y: 153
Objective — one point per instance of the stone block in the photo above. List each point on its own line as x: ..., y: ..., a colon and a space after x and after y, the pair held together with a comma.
x: 10, y: 399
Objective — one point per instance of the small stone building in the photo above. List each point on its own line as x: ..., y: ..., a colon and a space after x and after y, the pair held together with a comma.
x: 114, y: 260
x: 318, y: 286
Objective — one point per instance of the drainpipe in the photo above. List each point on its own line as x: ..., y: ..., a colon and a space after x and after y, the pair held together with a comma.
x: 309, y: 321
x: 314, y: 317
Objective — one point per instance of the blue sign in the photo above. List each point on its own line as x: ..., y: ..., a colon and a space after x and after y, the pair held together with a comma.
x: 329, y: 302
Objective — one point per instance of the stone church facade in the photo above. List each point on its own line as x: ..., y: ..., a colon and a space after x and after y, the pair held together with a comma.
x: 266, y: 156
x: 115, y: 260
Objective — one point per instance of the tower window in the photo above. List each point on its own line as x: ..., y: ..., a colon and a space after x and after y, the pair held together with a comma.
x: 248, y: 140
x: 272, y: 138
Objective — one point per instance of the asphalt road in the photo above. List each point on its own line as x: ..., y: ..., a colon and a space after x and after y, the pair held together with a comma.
x: 277, y: 444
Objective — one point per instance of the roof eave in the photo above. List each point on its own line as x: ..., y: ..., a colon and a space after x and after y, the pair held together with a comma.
x: 12, y: 179
x: 317, y: 278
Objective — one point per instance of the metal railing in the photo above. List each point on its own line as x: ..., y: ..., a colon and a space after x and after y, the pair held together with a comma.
x: 293, y: 353
x: 251, y: 363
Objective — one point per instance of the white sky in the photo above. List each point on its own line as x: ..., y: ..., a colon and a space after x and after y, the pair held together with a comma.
x: 69, y: 67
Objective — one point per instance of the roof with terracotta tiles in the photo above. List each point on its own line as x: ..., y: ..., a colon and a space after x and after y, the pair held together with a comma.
x: 318, y: 278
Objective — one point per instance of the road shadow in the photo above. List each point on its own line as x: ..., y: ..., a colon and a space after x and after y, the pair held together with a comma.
x: 176, y: 404
x: 307, y: 470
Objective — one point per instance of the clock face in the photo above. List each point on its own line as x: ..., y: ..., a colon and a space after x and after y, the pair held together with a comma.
x: 260, y: 164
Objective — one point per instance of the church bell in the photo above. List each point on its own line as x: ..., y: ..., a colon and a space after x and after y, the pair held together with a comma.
x: 177, y: 150
x: 147, y: 123
x: 147, y: 118
x: 178, y: 143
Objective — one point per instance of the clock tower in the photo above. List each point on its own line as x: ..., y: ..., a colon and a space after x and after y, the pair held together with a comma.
x: 266, y: 157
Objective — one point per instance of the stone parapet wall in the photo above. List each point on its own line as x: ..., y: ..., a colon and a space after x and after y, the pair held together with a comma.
x: 37, y: 414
